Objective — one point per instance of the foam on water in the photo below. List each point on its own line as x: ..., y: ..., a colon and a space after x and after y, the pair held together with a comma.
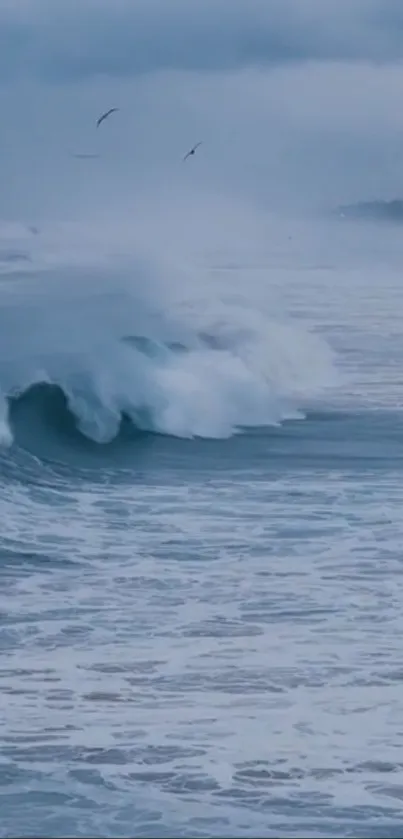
x: 119, y: 339
x: 201, y: 636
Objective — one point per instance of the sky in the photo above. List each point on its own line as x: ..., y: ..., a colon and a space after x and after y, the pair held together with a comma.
x: 298, y: 104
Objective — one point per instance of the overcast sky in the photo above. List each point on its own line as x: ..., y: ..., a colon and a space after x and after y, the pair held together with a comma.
x: 297, y: 101
x: 76, y: 39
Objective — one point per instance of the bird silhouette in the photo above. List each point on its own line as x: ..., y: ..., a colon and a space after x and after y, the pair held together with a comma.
x: 192, y: 151
x: 105, y: 115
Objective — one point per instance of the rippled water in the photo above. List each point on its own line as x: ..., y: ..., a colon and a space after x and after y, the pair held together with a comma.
x: 203, y: 637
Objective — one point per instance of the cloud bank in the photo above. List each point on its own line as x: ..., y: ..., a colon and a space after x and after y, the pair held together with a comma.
x: 77, y: 39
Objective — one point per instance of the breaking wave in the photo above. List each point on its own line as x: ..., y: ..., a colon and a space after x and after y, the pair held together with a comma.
x: 85, y: 353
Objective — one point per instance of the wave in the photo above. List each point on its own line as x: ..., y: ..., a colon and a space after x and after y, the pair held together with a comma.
x: 104, y: 353
x: 212, y: 390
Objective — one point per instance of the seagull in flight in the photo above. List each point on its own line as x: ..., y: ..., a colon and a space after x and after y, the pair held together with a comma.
x: 192, y: 151
x: 105, y: 115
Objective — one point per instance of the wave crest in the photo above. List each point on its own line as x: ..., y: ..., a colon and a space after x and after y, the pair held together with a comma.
x: 208, y: 391
x: 83, y: 358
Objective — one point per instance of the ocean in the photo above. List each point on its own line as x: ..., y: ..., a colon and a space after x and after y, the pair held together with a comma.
x: 201, y: 545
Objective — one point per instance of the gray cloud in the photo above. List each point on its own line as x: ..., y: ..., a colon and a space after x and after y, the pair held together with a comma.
x: 72, y: 39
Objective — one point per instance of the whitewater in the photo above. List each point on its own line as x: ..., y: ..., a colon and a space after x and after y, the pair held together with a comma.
x: 200, y: 553
x: 118, y: 340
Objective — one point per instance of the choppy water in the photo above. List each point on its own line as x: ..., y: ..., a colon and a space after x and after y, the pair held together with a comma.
x: 201, y: 633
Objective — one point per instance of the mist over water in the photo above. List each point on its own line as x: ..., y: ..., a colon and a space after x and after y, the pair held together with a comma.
x: 183, y: 357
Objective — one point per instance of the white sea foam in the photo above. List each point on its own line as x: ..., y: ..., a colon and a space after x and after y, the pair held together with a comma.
x: 145, y: 338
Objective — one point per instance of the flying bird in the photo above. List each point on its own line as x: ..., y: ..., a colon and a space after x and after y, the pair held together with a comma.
x: 192, y: 151
x: 105, y: 115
